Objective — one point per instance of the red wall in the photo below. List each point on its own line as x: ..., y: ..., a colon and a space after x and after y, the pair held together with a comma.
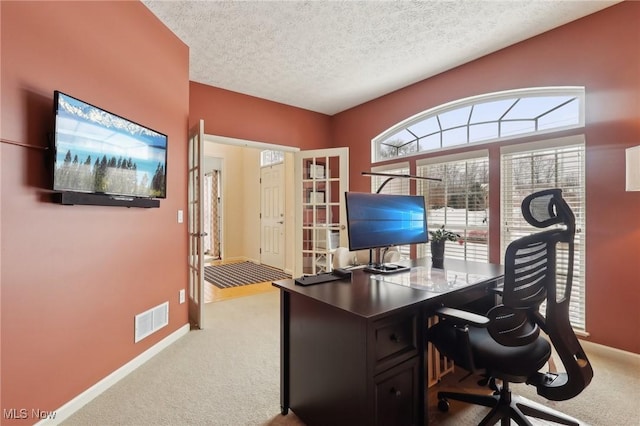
x: 74, y: 277
x: 600, y: 52
x: 239, y: 116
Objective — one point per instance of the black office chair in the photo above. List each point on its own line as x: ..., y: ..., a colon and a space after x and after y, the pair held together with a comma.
x: 506, y: 344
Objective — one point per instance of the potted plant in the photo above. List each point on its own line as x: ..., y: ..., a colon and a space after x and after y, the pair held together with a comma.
x: 438, y: 239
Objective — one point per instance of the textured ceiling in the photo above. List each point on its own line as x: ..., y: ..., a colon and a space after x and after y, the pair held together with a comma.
x: 328, y: 56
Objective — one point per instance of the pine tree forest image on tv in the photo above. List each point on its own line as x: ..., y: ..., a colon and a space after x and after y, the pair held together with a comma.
x: 99, y: 152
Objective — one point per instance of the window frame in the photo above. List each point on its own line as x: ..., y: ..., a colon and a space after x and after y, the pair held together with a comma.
x: 508, y: 145
x: 474, y: 156
x: 576, y: 91
x: 577, y: 308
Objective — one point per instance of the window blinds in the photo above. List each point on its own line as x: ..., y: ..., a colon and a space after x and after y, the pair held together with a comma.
x: 530, y: 170
x: 461, y: 203
x: 399, y: 186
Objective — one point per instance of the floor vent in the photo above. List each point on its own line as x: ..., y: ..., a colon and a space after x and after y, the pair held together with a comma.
x: 151, y: 321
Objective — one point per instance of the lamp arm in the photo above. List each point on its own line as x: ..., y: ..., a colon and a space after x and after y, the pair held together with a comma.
x: 383, y: 184
x: 394, y: 175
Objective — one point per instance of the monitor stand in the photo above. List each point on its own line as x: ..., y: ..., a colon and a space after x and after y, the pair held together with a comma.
x: 386, y: 268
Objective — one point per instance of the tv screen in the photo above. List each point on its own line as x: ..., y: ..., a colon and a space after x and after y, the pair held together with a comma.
x: 383, y: 220
x: 100, y: 152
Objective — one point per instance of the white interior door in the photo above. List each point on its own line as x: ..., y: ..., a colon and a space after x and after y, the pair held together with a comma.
x: 272, y: 218
x: 196, y: 226
x: 321, y: 179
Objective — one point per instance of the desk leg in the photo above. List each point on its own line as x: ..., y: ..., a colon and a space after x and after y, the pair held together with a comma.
x: 285, y: 322
x: 422, y: 368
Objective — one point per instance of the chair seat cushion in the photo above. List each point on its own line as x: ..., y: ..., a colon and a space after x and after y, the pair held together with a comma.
x: 513, y: 363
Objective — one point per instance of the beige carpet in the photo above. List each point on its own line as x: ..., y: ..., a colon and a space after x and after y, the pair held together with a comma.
x: 229, y: 375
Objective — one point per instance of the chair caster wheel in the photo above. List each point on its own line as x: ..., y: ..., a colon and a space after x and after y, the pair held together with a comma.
x: 443, y: 405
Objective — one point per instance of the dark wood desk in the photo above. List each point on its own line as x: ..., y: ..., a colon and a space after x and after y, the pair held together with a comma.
x: 353, y: 351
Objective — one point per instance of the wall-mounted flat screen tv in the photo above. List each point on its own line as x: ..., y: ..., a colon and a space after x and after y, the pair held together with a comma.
x: 100, y: 152
x: 385, y: 220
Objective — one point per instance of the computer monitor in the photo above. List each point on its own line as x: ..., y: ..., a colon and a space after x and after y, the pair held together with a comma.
x: 384, y: 220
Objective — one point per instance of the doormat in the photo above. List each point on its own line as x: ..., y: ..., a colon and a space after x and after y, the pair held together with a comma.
x: 239, y: 274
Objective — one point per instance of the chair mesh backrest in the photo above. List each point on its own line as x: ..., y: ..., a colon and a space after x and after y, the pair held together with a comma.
x: 541, y: 209
x: 530, y: 279
x: 530, y: 262
x: 545, y: 208
x: 529, y: 270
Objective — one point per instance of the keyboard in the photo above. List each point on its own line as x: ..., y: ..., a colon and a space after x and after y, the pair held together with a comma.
x: 317, y: 279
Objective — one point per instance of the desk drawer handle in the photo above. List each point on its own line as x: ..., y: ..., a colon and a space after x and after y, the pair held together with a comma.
x: 395, y: 392
x: 395, y: 338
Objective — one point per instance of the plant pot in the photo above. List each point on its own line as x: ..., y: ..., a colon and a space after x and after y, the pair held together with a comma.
x: 437, y: 254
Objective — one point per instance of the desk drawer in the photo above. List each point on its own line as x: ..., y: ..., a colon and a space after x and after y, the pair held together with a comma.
x: 395, y: 337
x: 396, y: 395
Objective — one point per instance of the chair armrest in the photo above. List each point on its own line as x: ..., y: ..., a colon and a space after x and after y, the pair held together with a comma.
x: 461, y: 316
x: 457, y: 346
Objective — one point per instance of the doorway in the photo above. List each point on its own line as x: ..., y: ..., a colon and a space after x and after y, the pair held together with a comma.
x: 241, y: 207
x: 314, y: 182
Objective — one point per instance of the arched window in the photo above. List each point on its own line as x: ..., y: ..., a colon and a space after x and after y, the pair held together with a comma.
x: 460, y: 201
x: 480, y: 119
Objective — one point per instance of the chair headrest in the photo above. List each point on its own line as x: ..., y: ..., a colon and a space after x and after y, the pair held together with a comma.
x: 545, y: 208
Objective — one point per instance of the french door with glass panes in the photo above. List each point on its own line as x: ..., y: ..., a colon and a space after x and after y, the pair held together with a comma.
x: 196, y: 226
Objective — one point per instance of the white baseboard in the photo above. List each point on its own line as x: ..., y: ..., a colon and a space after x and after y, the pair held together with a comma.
x: 237, y: 259
x: 87, y: 396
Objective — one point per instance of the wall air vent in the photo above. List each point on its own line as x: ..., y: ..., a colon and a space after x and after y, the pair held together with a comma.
x: 151, y: 321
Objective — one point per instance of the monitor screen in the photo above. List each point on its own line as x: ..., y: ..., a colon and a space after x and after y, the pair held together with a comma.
x: 383, y: 220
